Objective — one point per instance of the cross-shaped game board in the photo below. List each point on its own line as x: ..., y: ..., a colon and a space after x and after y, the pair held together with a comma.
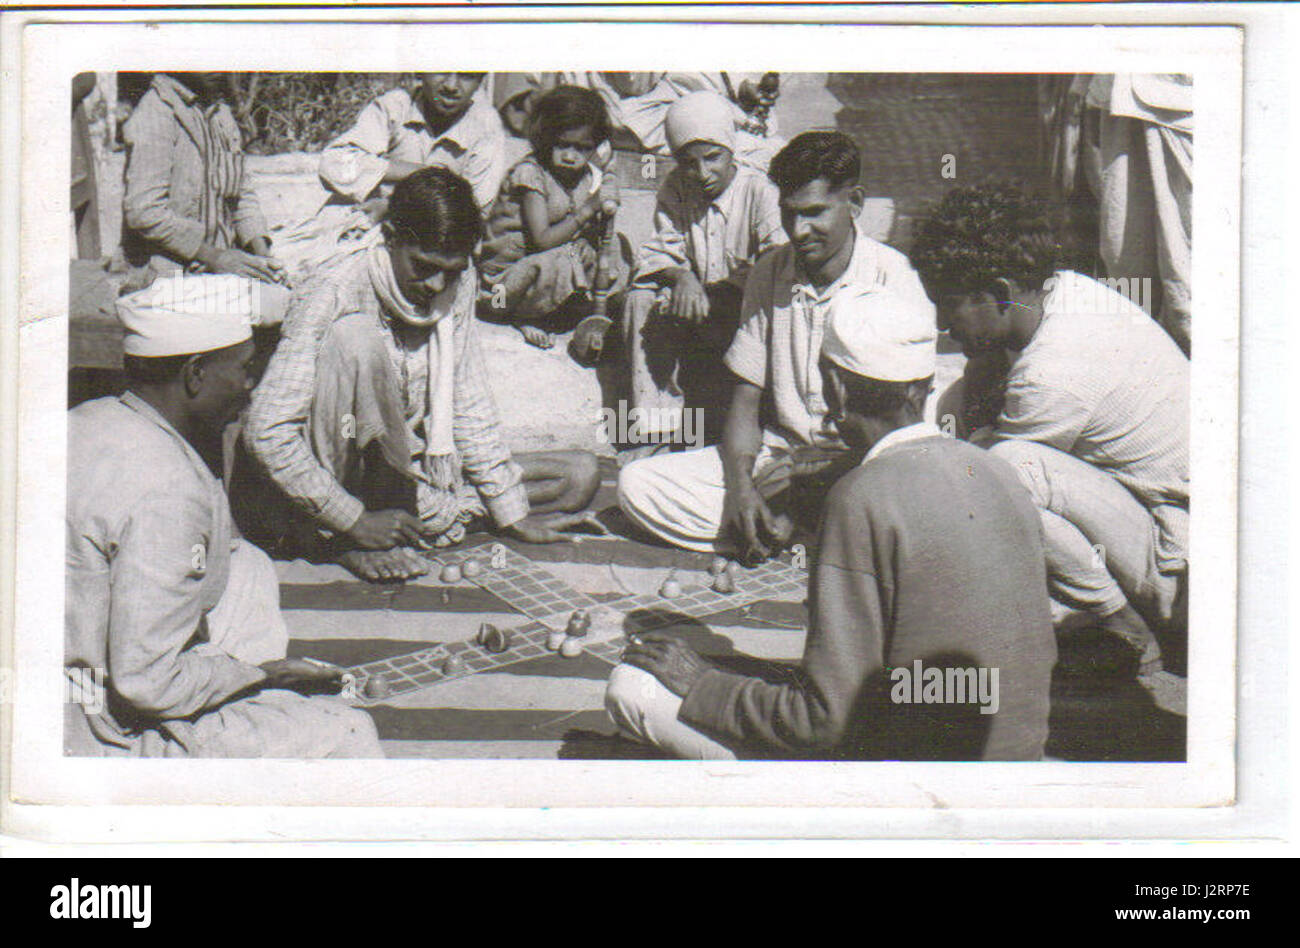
x: 549, y: 603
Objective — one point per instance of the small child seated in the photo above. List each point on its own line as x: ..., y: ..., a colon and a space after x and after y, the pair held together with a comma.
x: 538, y: 263
x: 713, y: 217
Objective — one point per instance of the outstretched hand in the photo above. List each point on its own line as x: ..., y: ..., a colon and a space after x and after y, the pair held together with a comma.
x: 555, y: 527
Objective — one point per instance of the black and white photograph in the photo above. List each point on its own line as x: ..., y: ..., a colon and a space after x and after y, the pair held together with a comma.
x: 527, y: 434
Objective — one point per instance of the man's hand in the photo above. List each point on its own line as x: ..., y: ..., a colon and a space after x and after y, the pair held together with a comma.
x: 689, y: 301
x: 230, y: 260
x: 385, y: 529
x: 554, y: 528
x: 299, y: 674
x: 746, y: 514
x: 609, y: 193
x: 672, y: 661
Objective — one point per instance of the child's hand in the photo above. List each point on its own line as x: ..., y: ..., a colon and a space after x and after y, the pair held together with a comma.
x: 689, y: 301
x: 609, y: 194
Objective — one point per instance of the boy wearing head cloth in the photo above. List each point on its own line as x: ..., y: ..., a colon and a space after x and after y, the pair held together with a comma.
x: 929, y: 557
x: 177, y: 622
x: 712, y: 220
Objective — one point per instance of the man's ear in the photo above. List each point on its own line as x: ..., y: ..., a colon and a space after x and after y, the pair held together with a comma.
x: 857, y: 199
x: 1004, y: 292
x: 192, y: 375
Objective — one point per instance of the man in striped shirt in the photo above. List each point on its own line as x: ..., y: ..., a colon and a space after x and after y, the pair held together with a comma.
x: 188, y: 203
x: 1095, y: 410
x: 374, y: 421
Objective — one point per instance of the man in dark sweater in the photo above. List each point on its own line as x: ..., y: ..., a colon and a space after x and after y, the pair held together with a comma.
x: 930, y: 634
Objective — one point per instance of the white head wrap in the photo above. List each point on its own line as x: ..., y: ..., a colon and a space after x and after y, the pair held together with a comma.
x: 182, y: 314
x: 881, y: 335
x: 701, y: 117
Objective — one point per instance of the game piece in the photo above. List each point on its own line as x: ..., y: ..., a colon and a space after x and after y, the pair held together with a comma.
x: 472, y: 568
x: 723, y: 583
x: 554, y: 640
x: 450, y: 573
x: 579, y: 624
x: 493, y: 639
x: 718, y: 566
x: 671, y: 588
x: 377, y: 686
x: 454, y: 665
x: 571, y: 648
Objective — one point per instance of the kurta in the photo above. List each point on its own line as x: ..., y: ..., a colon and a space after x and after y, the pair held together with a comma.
x: 153, y: 602
x: 929, y: 551
x: 185, y: 180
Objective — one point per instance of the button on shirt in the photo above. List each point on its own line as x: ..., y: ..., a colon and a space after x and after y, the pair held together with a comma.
x: 392, y: 127
x: 782, y: 324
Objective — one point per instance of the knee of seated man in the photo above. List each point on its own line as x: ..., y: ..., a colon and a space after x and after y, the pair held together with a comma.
x: 633, y: 485
x: 1025, y: 458
x: 629, y: 693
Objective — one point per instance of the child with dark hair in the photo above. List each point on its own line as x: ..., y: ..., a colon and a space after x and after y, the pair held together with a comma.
x: 1094, y: 408
x: 374, y: 421
x: 544, y: 230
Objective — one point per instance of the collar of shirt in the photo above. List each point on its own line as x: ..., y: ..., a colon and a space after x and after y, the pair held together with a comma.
x: 462, y: 133
x: 859, y: 270
x: 141, y: 407
x: 922, y: 429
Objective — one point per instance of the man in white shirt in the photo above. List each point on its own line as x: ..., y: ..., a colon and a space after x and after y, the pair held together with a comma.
x: 180, y: 619
x: 720, y: 498
x: 1095, y: 411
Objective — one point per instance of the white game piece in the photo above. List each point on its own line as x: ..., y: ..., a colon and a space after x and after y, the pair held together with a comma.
x: 571, y: 648
x: 718, y: 566
x: 554, y: 641
x: 450, y: 573
x: 472, y: 568
x: 671, y: 589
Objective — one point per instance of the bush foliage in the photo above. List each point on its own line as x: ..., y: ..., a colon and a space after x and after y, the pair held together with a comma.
x: 296, y: 111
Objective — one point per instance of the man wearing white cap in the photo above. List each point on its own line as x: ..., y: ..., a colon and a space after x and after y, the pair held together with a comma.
x: 930, y: 634
x: 774, y: 439
x: 712, y: 220
x: 177, y: 620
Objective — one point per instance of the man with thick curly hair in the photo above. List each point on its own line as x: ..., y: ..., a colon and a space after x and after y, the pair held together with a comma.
x: 1094, y: 410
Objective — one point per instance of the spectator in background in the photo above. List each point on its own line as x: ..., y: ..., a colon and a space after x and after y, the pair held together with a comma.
x: 445, y: 123
x: 85, y: 193
x: 712, y: 219
x: 538, y: 260
x: 188, y: 203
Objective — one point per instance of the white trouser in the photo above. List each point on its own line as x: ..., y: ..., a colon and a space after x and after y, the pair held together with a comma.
x: 679, y: 497
x: 646, y: 711
x: 1100, y: 541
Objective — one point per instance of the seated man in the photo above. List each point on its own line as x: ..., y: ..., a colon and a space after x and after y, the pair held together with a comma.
x: 712, y: 220
x: 188, y: 203
x: 930, y: 634
x: 718, y: 499
x: 444, y: 124
x: 374, y: 421
x: 185, y: 621
x: 1095, y: 409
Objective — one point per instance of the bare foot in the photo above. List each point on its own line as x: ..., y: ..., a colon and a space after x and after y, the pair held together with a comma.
x: 385, y: 566
x: 538, y: 337
x: 1129, y: 626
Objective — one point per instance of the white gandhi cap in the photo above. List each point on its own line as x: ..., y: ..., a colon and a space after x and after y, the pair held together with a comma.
x: 183, y: 314
x: 879, y: 334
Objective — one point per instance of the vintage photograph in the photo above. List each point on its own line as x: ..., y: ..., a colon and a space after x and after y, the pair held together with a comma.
x: 610, y: 416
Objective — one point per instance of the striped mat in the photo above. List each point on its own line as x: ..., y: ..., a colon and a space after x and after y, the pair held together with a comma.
x: 551, y: 707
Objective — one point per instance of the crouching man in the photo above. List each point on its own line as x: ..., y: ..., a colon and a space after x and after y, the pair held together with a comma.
x: 183, y: 622
x: 930, y: 635
x: 1095, y: 409
x: 374, y: 433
